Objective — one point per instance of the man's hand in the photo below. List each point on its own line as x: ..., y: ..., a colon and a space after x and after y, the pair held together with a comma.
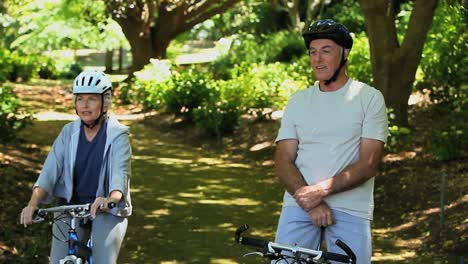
x: 321, y: 215
x: 309, y: 197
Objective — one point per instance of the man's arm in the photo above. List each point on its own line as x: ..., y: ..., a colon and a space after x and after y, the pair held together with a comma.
x: 285, y: 168
x: 366, y: 167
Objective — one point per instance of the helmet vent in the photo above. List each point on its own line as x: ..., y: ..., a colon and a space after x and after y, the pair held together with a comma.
x: 82, y: 80
x: 97, y: 82
x: 90, y: 80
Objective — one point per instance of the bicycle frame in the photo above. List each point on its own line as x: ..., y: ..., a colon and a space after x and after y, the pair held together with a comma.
x: 76, y: 212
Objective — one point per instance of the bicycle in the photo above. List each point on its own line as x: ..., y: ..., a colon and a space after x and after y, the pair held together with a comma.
x: 278, y: 252
x: 77, y: 212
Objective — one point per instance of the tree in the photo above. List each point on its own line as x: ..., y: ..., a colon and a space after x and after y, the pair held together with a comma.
x: 48, y: 25
x: 394, y: 65
x: 150, y: 26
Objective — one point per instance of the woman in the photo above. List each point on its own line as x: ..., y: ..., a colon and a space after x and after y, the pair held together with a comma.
x: 89, y: 163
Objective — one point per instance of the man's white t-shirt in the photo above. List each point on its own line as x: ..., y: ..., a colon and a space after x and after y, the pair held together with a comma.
x: 329, y: 127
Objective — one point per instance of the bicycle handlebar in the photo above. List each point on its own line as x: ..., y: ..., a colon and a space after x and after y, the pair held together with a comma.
x: 80, y: 210
x: 274, y: 249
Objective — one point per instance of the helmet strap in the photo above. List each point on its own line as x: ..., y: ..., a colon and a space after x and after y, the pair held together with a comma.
x: 342, y: 63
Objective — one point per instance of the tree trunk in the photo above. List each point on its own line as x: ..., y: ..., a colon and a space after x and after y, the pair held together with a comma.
x: 394, y: 66
x: 121, y: 51
x: 149, y: 26
x: 140, y: 43
x: 108, y: 61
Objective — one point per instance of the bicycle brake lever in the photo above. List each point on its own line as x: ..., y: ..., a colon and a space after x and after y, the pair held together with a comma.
x: 254, y: 253
x: 38, y: 219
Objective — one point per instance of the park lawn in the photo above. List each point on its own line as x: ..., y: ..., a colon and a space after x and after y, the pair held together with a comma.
x: 190, y: 192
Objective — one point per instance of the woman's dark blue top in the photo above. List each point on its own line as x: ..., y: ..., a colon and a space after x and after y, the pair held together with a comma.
x: 87, y: 169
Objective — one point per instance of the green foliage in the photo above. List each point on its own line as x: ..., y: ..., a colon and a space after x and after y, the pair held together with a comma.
x: 70, y: 70
x: 249, y: 17
x: 285, y: 46
x: 12, y: 119
x: 444, y: 63
x: 23, y: 67
x: 6, y: 67
x: 347, y: 12
x: 190, y: 88
x: 218, y: 115
x: 359, y: 66
x: 149, y: 85
x: 399, y: 136
x: 47, y: 25
x: 448, y: 144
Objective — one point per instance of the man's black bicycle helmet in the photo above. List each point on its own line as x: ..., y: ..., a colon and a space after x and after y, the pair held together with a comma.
x: 328, y: 29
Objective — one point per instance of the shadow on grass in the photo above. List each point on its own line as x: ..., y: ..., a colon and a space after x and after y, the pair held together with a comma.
x: 190, y: 196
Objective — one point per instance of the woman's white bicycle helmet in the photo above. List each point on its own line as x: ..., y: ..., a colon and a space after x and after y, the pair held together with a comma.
x: 93, y: 82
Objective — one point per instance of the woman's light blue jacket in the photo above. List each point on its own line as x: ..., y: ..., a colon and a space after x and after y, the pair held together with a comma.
x: 56, y: 177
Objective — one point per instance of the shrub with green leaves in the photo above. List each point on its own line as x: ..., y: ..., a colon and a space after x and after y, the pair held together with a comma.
x: 359, y: 66
x: 12, y: 119
x: 447, y: 144
x: 444, y: 61
x: 190, y: 89
x: 398, y: 137
x: 149, y: 85
x: 24, y: 67
x: 217, y: 116
x: 283, y: 46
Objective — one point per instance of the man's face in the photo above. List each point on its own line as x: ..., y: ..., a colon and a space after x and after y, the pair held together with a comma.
x: 88, y: 107
x: 325, y: 58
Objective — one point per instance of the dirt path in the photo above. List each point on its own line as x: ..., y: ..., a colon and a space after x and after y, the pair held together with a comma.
x: 190, y: 192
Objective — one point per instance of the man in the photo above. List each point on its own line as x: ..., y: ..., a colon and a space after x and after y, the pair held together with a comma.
x: 328, y: 150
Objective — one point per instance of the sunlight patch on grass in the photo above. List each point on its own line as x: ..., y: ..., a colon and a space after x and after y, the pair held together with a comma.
x: 260, y: 146
x: 403, y: 255
x: 135, y: 190
x: 143, y: 157
x: 211, y: 161
x: 158, y: 213
x: 223, y: 261
x: 172, y: 201
x: 171, y: 161
x: 239, y: 201
x: 224, y: 188
x: 149, y: 227
x: 234, y: 165
x: 191, y: 195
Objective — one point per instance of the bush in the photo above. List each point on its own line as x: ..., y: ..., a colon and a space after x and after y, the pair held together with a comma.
x: 448, y: 144
x: 24, y: 67
x: 70, y: 70
x: 217, y: 117
x: 399, y: 137
x: 149, y: 85
x: 359, y: 66
x: 190, y: 89
x: 283, y: 46
x: 48, y: 68
x: 6, y: 67
x: 444, y: 61
x: 12, y: 119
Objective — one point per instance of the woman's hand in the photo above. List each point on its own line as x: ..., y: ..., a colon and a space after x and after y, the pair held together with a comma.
x: 27, y: 215
x: 100, y: 204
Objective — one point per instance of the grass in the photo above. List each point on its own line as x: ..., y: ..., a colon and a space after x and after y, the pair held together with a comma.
x: 191, y: 192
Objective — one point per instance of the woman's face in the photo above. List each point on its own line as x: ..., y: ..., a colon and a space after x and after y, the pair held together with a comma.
x: 88, y: 107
